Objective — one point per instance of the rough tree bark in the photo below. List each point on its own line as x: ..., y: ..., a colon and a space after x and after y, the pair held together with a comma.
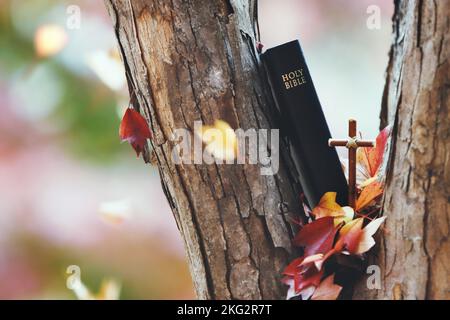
x: 196, y: 60
x: 415, y: 251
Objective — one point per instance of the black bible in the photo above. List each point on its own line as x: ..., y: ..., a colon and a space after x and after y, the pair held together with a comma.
x: 303, y: 123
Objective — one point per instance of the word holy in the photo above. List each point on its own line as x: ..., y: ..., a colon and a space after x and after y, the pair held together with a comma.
x: 250, y: 146
x: 293, y: 79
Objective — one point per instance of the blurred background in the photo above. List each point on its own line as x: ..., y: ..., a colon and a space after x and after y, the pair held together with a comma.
x: 72, y: 194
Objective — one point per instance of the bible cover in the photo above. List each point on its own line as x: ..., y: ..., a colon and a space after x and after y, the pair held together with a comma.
x: 304, y: 124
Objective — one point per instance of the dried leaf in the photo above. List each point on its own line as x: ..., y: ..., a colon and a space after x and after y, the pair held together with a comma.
x: 368, y: 194
x: 220, y: 140
x: 311, y: 277
x: 327, y: 207
x: 317, y: 236
x: 134, y: 129
x: 327, y: 290
x: 366, y: 241
x: 292, y: 268
x: 349, y: 236
x: 371, y: 158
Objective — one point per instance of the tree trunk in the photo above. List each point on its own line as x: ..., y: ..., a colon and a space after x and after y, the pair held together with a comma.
x: 196, y: 60
x: 414, y: 253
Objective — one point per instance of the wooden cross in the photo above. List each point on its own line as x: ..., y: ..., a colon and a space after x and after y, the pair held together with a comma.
x: 351, y: 143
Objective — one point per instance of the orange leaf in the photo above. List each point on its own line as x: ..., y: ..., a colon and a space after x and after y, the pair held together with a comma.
x: 328, y: 207
x: 368, y: 194
x: 372, y: 157
x: 134, y: 129
x: 327, y: 290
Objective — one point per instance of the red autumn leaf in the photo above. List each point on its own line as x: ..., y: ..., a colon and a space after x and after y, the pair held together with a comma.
x: 317, y: 236
x: 134, y: 129
x: 350, y: 236
x: 371, y: 158
x: 292, y: 268
x: 368, y: 194
x: 356, y: 240
x: 327, y: 290
x: 311, y: 277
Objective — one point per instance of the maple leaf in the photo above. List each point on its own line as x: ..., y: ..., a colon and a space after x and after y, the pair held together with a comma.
x: 368, y: 194
x: 371, y: 158
x: 317, y: 236
x: 366, y: 241
x: 220, y: 140
x: 302, y: 264
x: 327, y: 206
x: 301, y: 277
x: 356, y: 240
x: 134, y: 129
x: 310, y: 277
x: 327, y: 290
x: 292, y: 268
x: 349, y: 236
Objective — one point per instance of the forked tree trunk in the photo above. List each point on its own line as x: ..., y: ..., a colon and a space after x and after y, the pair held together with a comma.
x: 414, y: 254
x: 196, y: 60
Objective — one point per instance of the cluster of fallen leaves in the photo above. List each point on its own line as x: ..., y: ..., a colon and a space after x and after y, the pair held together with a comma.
x: 333, y: 230
x: 338, y: 231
